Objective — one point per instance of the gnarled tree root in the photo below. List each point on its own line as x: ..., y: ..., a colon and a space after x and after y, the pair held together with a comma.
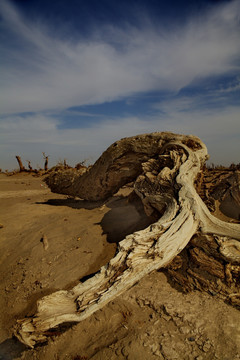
x: 164, y: 167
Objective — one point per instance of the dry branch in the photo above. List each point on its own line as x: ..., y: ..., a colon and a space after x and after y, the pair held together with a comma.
x: 164, y: 167
x: 29, y: 165
x: 21, y: 167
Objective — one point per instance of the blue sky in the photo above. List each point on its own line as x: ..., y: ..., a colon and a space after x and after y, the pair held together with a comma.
x: 76, y: 75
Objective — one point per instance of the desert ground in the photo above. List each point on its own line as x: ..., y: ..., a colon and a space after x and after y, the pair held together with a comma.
x: 152, y: 320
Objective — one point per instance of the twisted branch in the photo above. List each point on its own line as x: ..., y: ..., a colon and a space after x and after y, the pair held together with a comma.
x: 164, y: 167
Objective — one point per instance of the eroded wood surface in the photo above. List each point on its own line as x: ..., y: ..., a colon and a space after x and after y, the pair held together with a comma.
x: 164, y: 168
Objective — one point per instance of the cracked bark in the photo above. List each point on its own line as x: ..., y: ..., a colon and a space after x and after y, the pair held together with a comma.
x: 163, y: 167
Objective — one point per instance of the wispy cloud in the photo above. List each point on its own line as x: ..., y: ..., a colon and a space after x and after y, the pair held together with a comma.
x: 32, y: 134
x: 234, y: 86
x: 46, y: 70
x: 49, y: 76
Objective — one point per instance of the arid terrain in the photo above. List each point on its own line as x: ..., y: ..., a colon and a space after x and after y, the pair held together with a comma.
x: 50, y: 242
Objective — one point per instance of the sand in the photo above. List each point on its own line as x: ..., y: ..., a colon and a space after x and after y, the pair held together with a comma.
x: 152, y: 320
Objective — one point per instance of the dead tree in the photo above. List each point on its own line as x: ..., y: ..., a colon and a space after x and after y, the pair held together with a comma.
x: 46, y: 161
x: 21, y: 167
x: 164, y: 168
x: 29, y: 165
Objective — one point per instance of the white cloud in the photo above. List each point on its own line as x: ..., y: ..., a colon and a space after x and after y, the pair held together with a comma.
x: 29, y: 136
x: 43, y: 70
x: 234, y: 86
x: 47, y: 71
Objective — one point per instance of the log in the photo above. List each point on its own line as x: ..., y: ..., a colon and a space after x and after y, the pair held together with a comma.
x: 164, y: 168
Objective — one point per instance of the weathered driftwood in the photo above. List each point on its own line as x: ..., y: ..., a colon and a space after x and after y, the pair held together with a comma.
x: 164, y: 167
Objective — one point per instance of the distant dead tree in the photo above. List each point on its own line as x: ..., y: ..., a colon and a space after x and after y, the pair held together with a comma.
x: 21, y: 167
x: 46, y: 161
x: 81, y: 164
x: 29, y: 165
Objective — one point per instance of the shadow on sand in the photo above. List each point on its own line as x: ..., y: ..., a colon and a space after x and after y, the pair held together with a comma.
x: 11, y: 349
x: 125, y: 216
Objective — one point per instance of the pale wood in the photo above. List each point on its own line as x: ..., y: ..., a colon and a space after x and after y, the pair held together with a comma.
x: 164, y: 166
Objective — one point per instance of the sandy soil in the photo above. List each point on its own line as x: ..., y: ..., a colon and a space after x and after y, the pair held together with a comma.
x: 152, y: 320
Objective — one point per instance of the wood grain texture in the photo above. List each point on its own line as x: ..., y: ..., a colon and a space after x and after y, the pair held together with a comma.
x: 164, y: 168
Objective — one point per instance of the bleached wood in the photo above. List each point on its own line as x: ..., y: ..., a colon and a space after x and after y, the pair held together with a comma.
x: 169, y: 188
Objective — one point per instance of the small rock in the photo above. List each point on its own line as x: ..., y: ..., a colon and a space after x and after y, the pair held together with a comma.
x: 191, y: 338
x: 206, y: 346
x: 44, y: 240
x: 168, y: 308
x: 1, y: 226
x: 169, y: 352
x: 184, y: 330
x: 166, y: 317
x: 199, y: 342
x: 139, y: 302
x: 154, y: 348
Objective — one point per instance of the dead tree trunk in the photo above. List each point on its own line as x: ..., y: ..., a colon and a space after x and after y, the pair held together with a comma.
x: 46, y: 161
x: 21, y: 167
x: 29, y: 165
x: 164, y: 167
x: 204, y: 264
